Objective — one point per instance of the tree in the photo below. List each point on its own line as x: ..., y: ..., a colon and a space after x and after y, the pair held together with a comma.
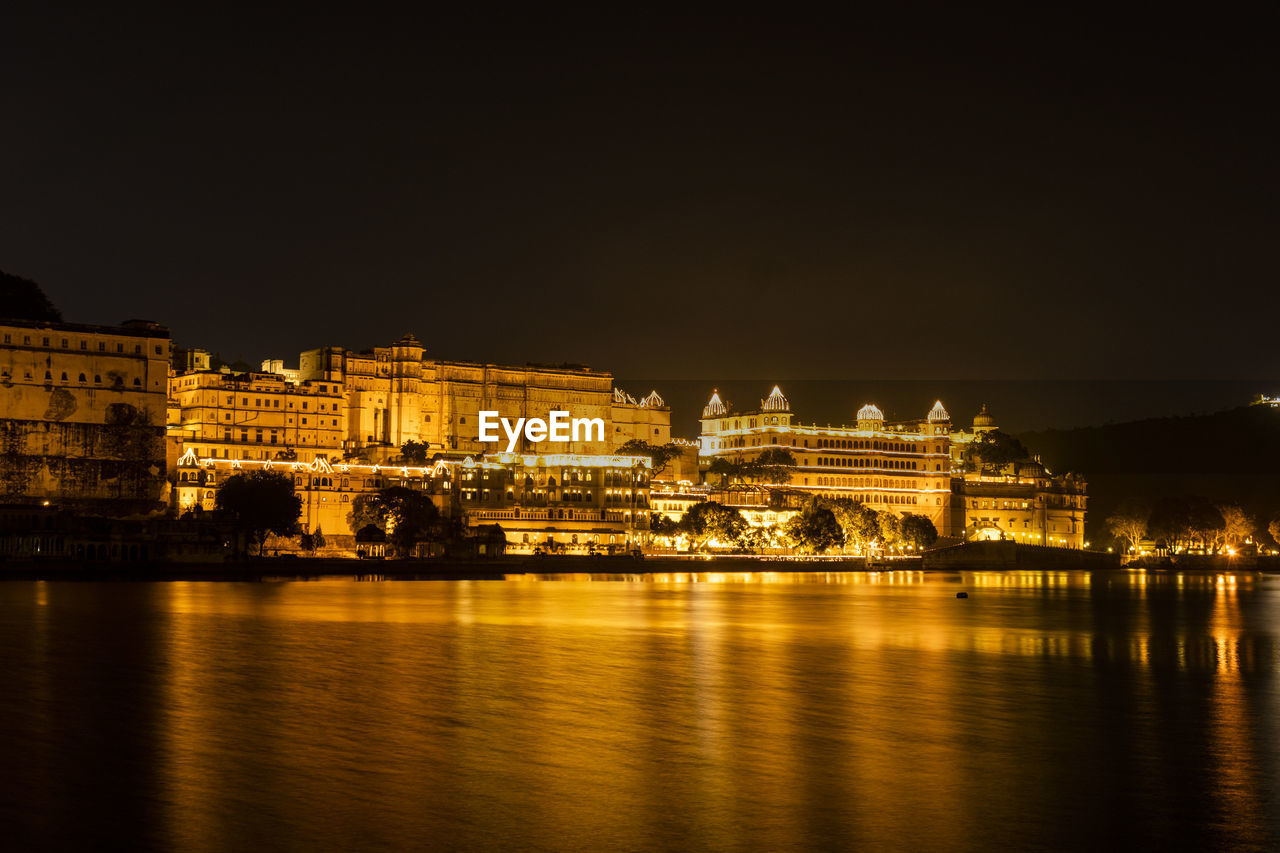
x: 318, y: 539
x: 814, y: 529
x: 726, y: 469
x: 260, y: 503
x: 1182, y: 522
x: 22, y: 299
x: 412, y: 517
x: 367, y: 510
x: 890, y: 529
x: 774, y: 465
x: 659, y: 454
x: 1273, y: 527
x: 997, y: 450
x: 414, y: 453
x: 861, y: 524
x: 1237, y: 525
x: 1128, y: 524
x: 662, y: 526
x: 709, y: 521
x: 918, y: 531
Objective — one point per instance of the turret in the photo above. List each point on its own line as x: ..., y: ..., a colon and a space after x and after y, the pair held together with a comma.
x: 870, y: 418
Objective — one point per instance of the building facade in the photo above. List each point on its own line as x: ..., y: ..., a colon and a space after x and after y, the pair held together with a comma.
x: 895, y: 466
x: 83, y: 415
x: 383, y: 398
x: 552, y: 502
x: 1028, y: 505
x: 257, y: 416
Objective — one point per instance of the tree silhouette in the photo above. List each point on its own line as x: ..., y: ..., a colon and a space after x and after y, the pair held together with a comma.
x: 22, y: 299
x: 260, y: 503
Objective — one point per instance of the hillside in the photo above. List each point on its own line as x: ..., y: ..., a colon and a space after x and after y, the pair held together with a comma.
x: 1232, y: 455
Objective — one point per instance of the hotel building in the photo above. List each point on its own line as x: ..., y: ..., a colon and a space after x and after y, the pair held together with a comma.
x: 1024, y: 502
x: 902, y: 466
x: 912, y: 466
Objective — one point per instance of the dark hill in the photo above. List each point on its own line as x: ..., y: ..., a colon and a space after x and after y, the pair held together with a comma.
x: 1230, y: 456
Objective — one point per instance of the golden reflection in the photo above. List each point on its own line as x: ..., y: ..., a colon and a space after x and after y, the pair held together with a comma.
x: 589, y: 710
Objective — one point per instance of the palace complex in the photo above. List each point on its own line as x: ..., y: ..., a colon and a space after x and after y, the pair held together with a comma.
x: 912, y: 466
x: 100, y: 420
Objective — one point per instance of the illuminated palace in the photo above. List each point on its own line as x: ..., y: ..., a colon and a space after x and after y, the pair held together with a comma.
x: 337, y: 423
x: 554, y: 502
x: 340, y: 404
x: 901, y: 466
x: 913, y: 466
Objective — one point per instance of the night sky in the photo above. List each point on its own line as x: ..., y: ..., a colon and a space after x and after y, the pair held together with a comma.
x: 657, y: 196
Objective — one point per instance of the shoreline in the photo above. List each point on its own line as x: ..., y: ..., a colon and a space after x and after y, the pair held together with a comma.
x: 499, y: 568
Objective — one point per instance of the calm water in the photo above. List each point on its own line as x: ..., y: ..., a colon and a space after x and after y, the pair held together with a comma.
x: 1060, y: 711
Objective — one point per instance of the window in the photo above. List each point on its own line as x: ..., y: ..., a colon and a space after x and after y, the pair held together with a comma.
x: 159, y: 350
x: 83, y: 344
x: 65, y: 343
x: 119, y: 347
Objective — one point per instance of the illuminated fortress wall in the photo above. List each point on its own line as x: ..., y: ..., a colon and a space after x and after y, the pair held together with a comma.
x: 84, y: 415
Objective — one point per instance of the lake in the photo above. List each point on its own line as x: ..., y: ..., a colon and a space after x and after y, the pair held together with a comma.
x: 714, y: 712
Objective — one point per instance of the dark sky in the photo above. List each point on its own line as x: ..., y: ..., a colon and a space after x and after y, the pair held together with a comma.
x: 658, y: 196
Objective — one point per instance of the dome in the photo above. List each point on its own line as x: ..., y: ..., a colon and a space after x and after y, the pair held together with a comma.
x: 775, y: 402
x: 653, y: 401
x: 870, y: 412
x: 938, y: 413
x: 983, y: 418
x: 715, y: 407
x: 1031, y: 470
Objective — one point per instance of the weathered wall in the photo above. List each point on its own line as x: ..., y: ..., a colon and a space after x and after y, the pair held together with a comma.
x: 82, y: 412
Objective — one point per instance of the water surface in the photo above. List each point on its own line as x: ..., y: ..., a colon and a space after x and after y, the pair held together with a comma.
x: 867, y: 711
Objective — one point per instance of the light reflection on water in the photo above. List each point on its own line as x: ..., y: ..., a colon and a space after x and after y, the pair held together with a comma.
x: 708, y: 710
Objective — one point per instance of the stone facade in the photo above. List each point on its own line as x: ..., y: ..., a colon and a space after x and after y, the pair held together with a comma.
x: 83, y: 415
x: 388, y: 396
